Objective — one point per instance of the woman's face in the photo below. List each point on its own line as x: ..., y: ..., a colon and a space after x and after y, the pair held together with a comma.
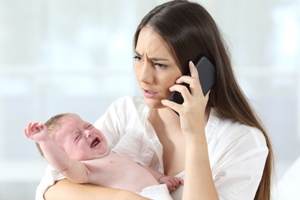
x: 155, y: 67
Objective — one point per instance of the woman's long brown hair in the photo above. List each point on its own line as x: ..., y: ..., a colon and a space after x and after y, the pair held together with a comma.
x: 190, y: 31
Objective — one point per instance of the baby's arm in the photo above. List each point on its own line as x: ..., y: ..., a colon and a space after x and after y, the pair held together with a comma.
x: 172, y: 182
x: 57, y: 158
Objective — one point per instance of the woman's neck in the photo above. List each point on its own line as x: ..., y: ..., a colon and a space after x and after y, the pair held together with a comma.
x: 166, y: 115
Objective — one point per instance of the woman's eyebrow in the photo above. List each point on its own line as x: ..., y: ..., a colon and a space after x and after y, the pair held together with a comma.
x: 159, y: 59
x: 137, y: 53
x: 152, y: 58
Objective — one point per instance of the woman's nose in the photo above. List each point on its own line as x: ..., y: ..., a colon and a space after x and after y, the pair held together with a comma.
x: 144, y: 72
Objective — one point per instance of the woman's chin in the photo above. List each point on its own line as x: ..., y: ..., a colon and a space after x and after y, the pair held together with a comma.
x: 153, y: 103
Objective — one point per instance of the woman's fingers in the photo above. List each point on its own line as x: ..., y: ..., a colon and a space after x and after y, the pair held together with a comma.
x: 191, y: 96
x: 195, y: 86
x: 193, y: 80
x: 193, y: 70
x: 170, y: 104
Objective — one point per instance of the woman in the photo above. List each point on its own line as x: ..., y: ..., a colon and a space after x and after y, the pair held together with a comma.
x: 216, y: 144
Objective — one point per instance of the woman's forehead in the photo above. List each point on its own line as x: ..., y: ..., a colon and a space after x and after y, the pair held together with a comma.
x: 151, y: 43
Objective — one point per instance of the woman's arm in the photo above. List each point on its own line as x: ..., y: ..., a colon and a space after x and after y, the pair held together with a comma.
x: 199, y: 183
x: 66, y: 189
x: 198, y: 180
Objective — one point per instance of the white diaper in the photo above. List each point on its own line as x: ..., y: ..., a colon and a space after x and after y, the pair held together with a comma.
x: 156, y: 192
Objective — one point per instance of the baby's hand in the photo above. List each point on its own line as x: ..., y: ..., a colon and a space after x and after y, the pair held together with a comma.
x: 36, y: 131
x: 172, y: 182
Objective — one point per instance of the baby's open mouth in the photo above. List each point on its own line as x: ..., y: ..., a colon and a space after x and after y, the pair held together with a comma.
x: 95, y: 142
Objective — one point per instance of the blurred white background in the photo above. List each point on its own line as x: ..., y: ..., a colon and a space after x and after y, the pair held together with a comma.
x: 75, y: 55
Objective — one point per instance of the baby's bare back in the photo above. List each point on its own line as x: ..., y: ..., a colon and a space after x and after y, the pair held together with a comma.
x: 119, y: 171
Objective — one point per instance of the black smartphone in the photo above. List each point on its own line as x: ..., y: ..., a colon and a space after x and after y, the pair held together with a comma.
x: 207, y: 76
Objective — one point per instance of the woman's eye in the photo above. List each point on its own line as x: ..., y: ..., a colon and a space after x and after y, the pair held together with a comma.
x: 160, y: 65
x: 137, y: 58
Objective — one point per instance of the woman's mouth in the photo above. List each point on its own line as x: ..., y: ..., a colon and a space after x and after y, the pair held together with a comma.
x: 149, y: 93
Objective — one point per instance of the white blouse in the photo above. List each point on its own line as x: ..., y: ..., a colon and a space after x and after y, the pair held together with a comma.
x: 237, y: 152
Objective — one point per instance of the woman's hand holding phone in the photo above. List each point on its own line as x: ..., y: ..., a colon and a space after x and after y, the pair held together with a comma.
x: 192, y: 109
x: 204, y: 71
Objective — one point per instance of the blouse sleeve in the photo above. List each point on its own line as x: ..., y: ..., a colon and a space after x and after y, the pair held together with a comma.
x: 122, y: 118
x: 239, y: 164
x: 124, y: 127
x: 111, y: 123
